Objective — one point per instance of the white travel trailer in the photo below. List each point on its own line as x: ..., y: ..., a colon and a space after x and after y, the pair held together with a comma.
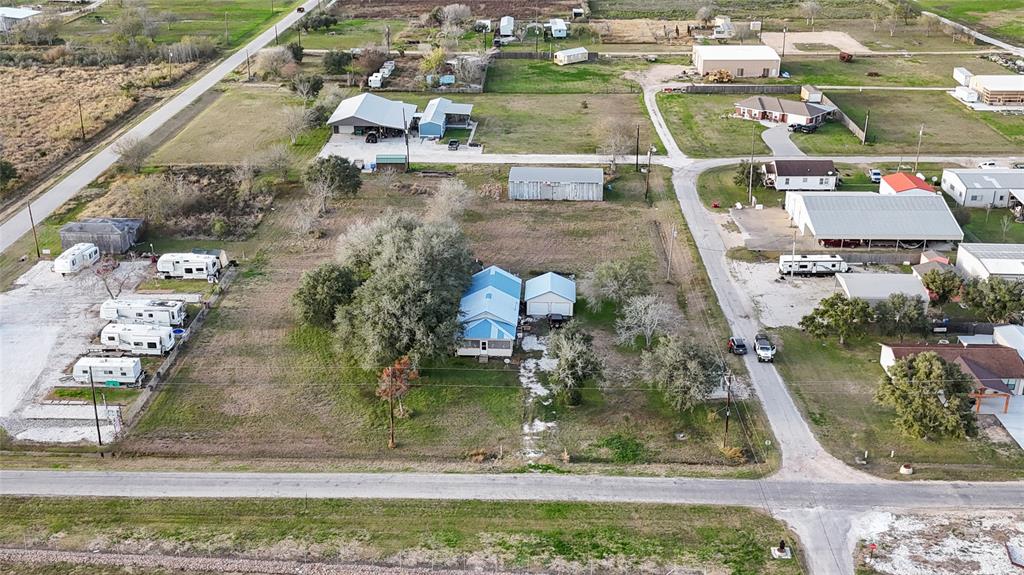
x: 812, y: 265
x: 507, y: 26
x: 123, y: 370
x: 153, y: 312
x: 138, y: 339
x: 188, y: 266
x: 75, y: 258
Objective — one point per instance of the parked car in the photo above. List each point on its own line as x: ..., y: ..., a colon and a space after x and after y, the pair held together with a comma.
x: 737, y: 346
x: 453, y: 145
x: 764, y: 348
x: 875, y: 175
x: 804, y: 128
x: 300, y: 10
x: 988, y: 165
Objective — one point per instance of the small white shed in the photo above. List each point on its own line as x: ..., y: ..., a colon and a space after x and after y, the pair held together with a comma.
x: 550, y: 294
x: 507, y: 26
x: 571, y: 56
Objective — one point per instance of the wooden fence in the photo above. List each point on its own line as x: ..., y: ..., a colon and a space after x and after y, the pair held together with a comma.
x: 845, y: 120
x: 741, y: 89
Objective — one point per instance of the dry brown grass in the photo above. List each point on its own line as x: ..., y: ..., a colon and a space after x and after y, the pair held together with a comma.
x: 40, y: 121
x: 642, y: 31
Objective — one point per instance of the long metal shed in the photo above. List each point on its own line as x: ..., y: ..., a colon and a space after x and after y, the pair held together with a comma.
x: 571, y: 184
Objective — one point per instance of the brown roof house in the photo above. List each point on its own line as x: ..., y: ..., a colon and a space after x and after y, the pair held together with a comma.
x: 810, y: 175
x: 780, y: 110
x: 997, y: 371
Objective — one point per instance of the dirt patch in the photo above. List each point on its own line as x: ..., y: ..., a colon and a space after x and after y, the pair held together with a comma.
x: 990, y: 426
x: 643, y: 31
x: 794, y: 40
x: 657, y: 74
x: 481, y: 8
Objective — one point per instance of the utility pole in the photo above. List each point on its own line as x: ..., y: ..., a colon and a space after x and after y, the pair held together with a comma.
x: 226, y: 29
x: 864, y: 137
x: 671, y: 246
x: 81, y: 120
x: 272, y: 7
x: 275, y: 34
x: 32, y: 221
x: 638, y: 147
x: 387, y: 37
x: 95, y: 412
x: 248, y: 66
x: 920, y: 136
x: 750, y: 177
x: 792, y: 263
x: 728, y: 408
x: 405, y: 129
x: 647, y: 180
x: 784, y: 30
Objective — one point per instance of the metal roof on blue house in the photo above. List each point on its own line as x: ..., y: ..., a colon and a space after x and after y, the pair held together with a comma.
x: 490, y: 307
x: 489, y: 329
x: 551, y: 282
x: 496, y: 277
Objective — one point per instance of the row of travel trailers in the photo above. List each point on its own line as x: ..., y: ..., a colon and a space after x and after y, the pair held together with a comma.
x: 812, y: 265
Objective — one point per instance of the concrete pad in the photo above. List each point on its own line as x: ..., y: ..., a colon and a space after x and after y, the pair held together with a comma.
x: 84, y: 412
x: 73, y: 434
x: 1012, y: 420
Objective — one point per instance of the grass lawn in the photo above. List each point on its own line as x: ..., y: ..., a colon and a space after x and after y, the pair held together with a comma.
x: 523, y: 123
x: 831, y: 138
x: 241, y: 122
x: 834, y: 388
x: 346, y: 34
x: 113, y: 395
x: 988, y: 227
x: 895, y: 117
x: 1003, y: 19
x: 520, y: 535
x: 716, y: 185
x: 244, y: 19
x: 924, y: 70
x: 545, y: 77
x: 700, y: 125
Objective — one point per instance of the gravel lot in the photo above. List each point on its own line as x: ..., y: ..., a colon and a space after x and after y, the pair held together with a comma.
x: 779, y: 302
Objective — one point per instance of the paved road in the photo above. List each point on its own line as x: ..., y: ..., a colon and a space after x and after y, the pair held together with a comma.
x: 75, y: 181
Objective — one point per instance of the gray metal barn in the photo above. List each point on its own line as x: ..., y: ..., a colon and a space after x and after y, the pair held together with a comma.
x: 573, y: 184
x: 110, y: 235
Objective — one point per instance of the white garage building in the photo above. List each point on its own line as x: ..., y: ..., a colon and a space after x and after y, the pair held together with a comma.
x: 876, y: 288
x: 984, y: 188
x: 550, y: 294
x: 983, y: 261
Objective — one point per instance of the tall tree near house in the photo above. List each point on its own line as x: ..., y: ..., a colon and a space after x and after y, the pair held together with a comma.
x: 838, y: 316
x: 929, y: 396
x: 641, y: 315
x: 1004, y: 225
x: 810, y: 10
x: 617, y: 280
x: 743, y: 176
x: 901, y: 314
x: 685, y: 374
x: 1000, y: 300
x: 577, y: 362
x: 339, y: 176
x: 133, y: 152
x: 392, y: 385
x: 944, y: 284
x: 321, y: 291
x: 295, y: 121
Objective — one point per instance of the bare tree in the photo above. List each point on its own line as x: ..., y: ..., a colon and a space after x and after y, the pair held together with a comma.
x: 387, y: 177
x: 295, y: 121
x: 472, y: 69
x: 305, y: 221
x: 244, y: 173
x: 307, y: 86
x: 319, y: 191
x: 618, y: 136
x: 1004, y: 225
x: 642, y: 315
x: 810, y: 10
x: 394, y: 382
x: 109, y: 275
x: 706, y: 12
x: 450, y: 201
x: 273, y: 61
x: 876, y: 19
x: 276, y: 159
x: 456, y: 14
x: 133, y: 152
x: 931, y: 25
x: 892, y: 20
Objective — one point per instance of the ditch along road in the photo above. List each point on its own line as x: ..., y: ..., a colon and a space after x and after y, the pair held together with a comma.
x: 19, y: 224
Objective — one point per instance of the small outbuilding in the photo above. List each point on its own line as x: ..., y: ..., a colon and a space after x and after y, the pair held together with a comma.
x: 876, y: 288
x: 558, y: 27
x: 12, y: 16
x: 550, y: 294
x: 750, y: 61
x: 573, y: 184
x: 571, y: 56
x: 441, y: 114
x: 110, y: 235
x: 507, y: 26
x: 982, y: 261
x: 904, y: 184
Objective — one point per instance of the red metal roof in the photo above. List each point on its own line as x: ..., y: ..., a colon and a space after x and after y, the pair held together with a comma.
x: 902, y: 181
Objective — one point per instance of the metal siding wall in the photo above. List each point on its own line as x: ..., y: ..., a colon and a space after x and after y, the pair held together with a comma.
x: 569, y: 192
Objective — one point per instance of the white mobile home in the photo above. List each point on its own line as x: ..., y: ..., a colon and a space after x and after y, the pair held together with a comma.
x: 573, y: 184
x: 153, y: 312
x: 550, y: 294
x: 188, y: 266
x: 123, y: 370
x: 812, y: 264
x: 507, y: 26
x: 571, y: 56
x: 137, y: 339
x: 75, y: 258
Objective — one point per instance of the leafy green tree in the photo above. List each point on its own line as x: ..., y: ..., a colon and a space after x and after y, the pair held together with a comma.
x: 336, y: 62
x: 296, y: 50
x: 336, y: 175
x: 838, y: 316
x: 685, y: 373
x: 321, y: 291
x: 929, y: 396
x: 433, y: 61
x: 8, y: 173
x: 901, y: 314
x: 906, y: 11
x: 743, y: 176
x: 1000, y: 300
x: 618, y: 280
x: 577, y: 365
x: 413, y: 277
x: 944, y: 284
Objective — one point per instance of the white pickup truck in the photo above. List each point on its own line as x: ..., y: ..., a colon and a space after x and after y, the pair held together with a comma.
x: 764, y: 348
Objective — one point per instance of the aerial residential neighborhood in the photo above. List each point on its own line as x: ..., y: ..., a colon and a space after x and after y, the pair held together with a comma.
x: 567, y: 286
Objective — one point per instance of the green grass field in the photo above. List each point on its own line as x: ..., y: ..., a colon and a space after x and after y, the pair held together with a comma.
x: 834, y: 388
x: 917, y: 71
x: 518, y: 535
x: 738, y: 9
x: 113, y: 395
x: 546, y: 77
x: 988, y: 227
x: 1003, y: 19
x: 355, y: 33
x: 701, y: 126
x: 244, y: 19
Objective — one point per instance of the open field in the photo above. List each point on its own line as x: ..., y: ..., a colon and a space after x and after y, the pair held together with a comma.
x: 238, y: 20
x: 523, y: 123
x: 915, y: 37
x: 41, y: 123
x: 493, y: 9
x: 355, y: 33
x: 702, y: 128
x: 738, y: 9
x: 834, y: 388
x: 545, y: 77
x: 949, y: 127
x: 1003, y: 19
x: 916, y: 71
x: 501, y: 535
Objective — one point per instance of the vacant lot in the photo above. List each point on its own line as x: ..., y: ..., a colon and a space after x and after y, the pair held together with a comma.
x: 521, y: 9
x: 41, y: 124
x: 835, y: 387
x: 354, y: 33
x: 501, y: 535
x: 544, y: 77
x: 738, y: 9
x: 701, y: 125
x: 1001, y: 18
x: 930, y: 70
x: 237, y: 19
x: 557, y: 124
x: 241, y: 122
x: 949, y: 127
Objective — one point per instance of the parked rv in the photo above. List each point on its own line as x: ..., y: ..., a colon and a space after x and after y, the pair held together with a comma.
x: 188, y: 266
x: 123, y: 370
x: 812, y: 265
x: 75, y: 258
x: 153, y: 312
x: 138, y: 339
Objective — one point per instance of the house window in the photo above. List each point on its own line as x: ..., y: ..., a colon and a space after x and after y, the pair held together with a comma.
x: 785, y: 181
x: 471, y: 343
x: 108, y: 371
x: 151, y: 345
x: 188, y: 270
x: 739, y: 71
x: 805, y: 180
x: 1001, y: 198
x: 974, y: 198
x: 139, y: 344
x: 821, y: 181
x: 501, y: 345
x: 111, y: 338
x: 764, y: 72
x: 138, y: 314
